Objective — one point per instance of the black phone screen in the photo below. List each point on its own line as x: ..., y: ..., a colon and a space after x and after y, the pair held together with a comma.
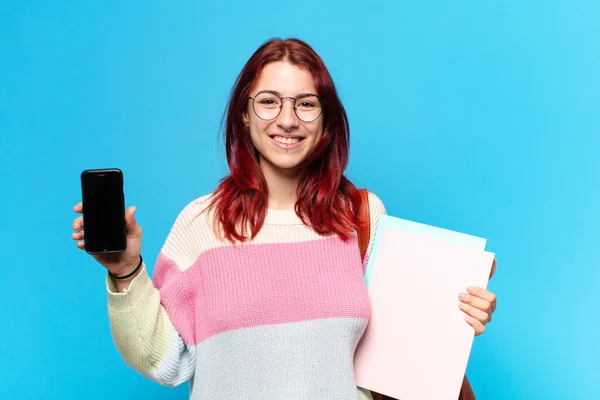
x: 103, y: 211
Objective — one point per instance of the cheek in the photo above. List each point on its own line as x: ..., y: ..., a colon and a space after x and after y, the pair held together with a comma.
x: 317, y: 133
x: 257, y: 130
x: 258, y: 126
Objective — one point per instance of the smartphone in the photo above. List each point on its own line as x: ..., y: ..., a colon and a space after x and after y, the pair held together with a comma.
x: 103, y: 210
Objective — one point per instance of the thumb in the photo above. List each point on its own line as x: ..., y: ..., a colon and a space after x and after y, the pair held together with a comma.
x: 132, y: 225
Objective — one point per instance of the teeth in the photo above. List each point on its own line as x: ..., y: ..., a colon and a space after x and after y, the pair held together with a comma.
x: 280, y: 139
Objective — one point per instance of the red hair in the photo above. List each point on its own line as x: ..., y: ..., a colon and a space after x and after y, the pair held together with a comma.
x: 326, y: 197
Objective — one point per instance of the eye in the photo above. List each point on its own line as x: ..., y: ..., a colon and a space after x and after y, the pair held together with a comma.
x: 306, y: 104
x: 267, y: 100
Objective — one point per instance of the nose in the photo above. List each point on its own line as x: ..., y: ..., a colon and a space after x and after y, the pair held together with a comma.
x: 287, y: 119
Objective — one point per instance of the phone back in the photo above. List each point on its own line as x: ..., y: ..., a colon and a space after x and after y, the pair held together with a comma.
x: 103, y: 210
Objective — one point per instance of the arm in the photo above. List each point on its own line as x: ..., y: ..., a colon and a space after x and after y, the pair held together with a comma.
x: 152, y: 321
x: 144, y: 334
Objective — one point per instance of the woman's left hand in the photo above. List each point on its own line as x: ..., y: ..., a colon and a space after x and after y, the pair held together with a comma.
x: 478, y: 304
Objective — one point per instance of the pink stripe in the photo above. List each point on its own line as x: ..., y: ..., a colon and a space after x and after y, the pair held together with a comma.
x: 174, y: 297
x: 248, y: 285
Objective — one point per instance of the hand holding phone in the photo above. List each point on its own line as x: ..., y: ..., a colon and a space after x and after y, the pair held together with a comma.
x: 106, y: 231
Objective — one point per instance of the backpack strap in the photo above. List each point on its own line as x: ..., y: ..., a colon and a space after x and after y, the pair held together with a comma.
x: 364, y: 223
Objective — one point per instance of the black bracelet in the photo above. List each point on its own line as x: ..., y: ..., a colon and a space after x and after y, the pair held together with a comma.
x: 132, y: 273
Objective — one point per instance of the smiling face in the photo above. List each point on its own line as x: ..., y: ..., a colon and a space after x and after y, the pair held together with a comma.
x: 285, y: 141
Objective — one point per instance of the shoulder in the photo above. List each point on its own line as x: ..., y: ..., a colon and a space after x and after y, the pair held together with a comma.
x: 376, y: 206
x: 195, y: 213
x: 190, y: 232
x: 189, y: 236
x: 194, y: 208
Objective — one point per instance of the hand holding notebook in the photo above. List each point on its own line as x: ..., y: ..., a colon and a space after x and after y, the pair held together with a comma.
x: 417, y: 343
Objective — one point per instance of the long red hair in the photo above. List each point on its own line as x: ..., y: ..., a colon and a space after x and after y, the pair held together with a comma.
x: 326, y: 197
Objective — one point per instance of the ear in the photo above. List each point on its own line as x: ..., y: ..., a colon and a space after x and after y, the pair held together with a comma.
x: 245, y: 119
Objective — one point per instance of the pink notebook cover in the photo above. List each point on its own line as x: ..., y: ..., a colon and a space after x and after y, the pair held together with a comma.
x: 417, y: 343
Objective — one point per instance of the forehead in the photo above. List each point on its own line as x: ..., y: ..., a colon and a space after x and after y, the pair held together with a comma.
x: 285, y: 78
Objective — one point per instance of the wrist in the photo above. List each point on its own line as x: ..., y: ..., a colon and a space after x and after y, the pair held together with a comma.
x: 128, y: 273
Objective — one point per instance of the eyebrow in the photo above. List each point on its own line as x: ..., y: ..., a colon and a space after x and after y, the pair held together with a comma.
x: 275, y: 92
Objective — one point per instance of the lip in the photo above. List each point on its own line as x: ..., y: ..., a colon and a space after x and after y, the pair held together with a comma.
x: 283, y: 146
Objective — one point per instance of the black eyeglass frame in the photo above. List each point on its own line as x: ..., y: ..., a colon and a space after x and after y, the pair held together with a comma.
x: 300, y: 96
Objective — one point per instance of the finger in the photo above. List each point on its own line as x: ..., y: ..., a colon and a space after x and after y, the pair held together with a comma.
x: 480, y: 315
x: 476, y: 302
x: 132, y: 225
x: 78, y: 208
x: 80, y: 245
x: 78, y: 223
x: 477, y: 325
x: 484, y: 294
x: 77, y: 235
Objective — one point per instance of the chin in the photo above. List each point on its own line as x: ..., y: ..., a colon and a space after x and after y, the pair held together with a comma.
x: 283, y: 163
x: 287, y: 165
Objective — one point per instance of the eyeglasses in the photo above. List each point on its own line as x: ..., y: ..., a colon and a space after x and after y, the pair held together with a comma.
x: 267, y: 105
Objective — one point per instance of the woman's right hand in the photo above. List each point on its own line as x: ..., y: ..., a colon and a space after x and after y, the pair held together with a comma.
x: 119, y: 264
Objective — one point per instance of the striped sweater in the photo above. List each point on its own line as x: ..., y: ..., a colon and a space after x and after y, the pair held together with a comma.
x: 278, y: 317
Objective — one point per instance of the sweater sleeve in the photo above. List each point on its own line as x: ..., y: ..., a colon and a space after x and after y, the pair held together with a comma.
x: 143, y: 327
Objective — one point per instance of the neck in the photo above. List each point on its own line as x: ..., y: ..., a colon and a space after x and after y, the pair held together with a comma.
x: 283, y: 186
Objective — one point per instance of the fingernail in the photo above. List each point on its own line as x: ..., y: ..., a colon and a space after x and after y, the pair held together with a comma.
x: 462, y: 296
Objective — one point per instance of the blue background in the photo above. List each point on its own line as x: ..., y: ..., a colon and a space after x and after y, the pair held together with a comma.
x: 480, y: 117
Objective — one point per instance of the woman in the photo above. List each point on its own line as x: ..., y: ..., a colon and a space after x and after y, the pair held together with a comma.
x: 258, y: 292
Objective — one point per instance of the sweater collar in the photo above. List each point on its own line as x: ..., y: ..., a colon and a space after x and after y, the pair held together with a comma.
x: 282, y: 217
